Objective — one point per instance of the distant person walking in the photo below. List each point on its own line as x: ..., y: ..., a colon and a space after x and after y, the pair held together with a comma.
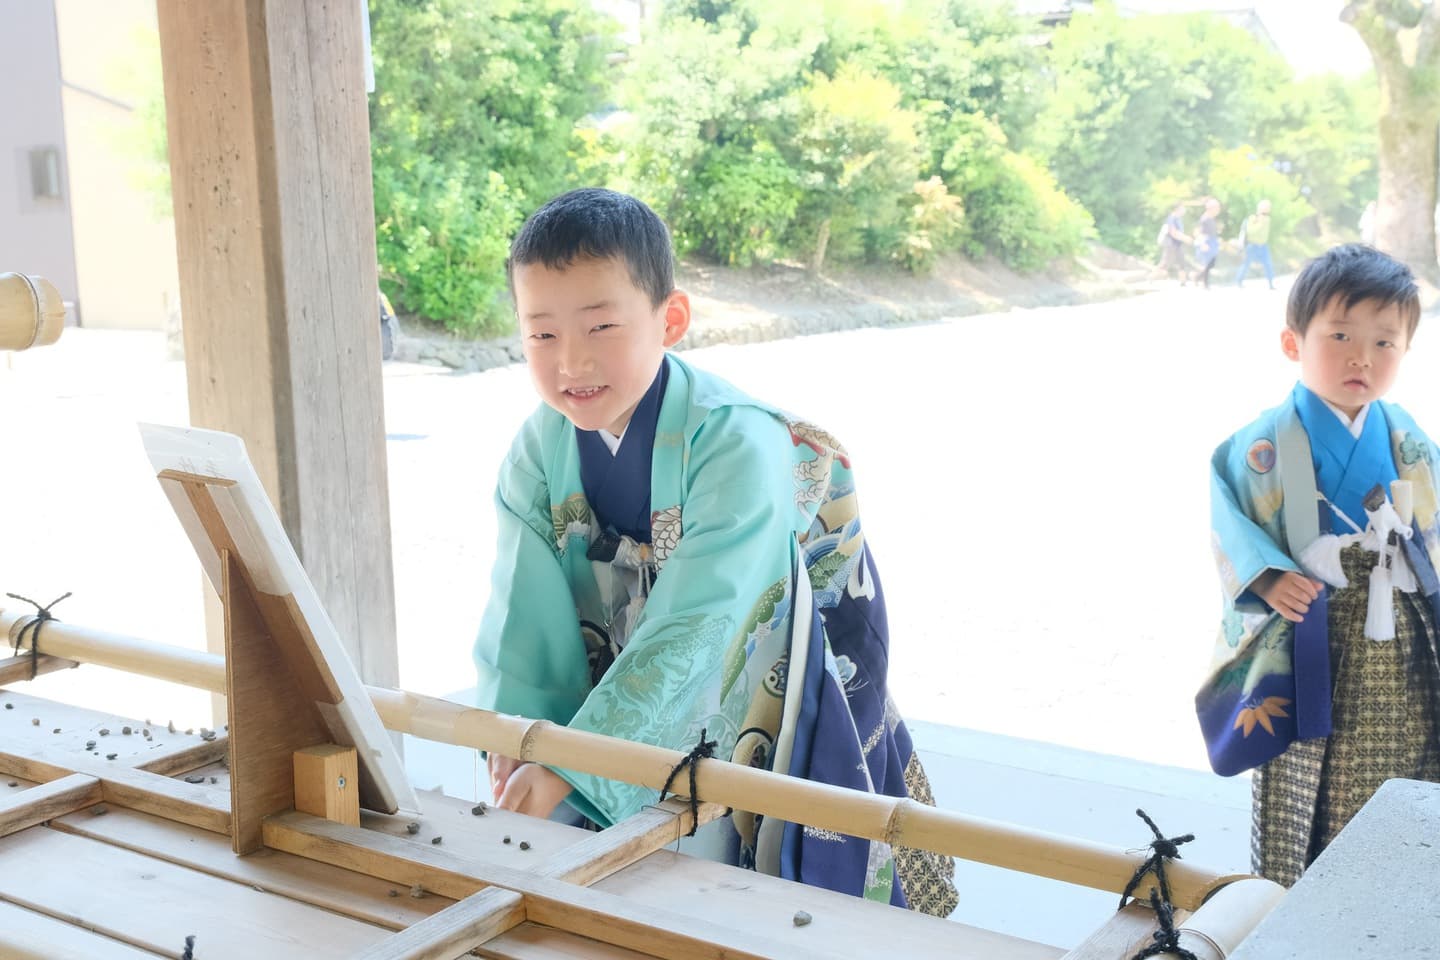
x: 1367, y: 224
x: 1255, y: 240
x: 1207, y: 240
x: 1173, y: 241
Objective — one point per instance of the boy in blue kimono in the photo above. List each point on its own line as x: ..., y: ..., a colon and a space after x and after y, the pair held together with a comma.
x: 1325, y: 677
x: 676, y: 557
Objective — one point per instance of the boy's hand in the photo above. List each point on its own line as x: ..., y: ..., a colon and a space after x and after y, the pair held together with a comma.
x: 533, y: 790
x: 1288, y: 593
x: 500, y: 770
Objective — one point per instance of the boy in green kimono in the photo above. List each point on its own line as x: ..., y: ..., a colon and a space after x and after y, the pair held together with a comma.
x: 676, y: 557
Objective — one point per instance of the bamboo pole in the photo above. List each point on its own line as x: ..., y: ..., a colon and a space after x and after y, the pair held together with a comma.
x: 32, y: 313
x: 898, y: 821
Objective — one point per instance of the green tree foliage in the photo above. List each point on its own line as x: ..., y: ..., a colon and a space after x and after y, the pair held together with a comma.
x: 1324, y: 128
x: 473, y: 122
x: 1139, y: 98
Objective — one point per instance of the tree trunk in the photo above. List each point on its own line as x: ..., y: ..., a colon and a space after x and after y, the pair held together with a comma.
x: 821, y: 242
x: 1404, y: 41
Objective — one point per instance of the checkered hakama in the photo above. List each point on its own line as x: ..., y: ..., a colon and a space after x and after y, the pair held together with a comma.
x: 1384, y: 713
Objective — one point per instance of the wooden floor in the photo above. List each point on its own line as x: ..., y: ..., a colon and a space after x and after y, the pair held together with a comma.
x: 109, y: 873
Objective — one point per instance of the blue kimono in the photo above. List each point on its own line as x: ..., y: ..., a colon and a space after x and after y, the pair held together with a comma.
x: 711, y: 575
x: 1270, y: 681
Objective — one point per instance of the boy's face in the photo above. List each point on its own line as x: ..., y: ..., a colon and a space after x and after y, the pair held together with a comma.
x: 592, y: 340
x: 1349, y: 357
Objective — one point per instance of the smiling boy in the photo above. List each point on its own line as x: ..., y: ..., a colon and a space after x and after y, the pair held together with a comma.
x: 1306, y: 688
x: 667, y: 548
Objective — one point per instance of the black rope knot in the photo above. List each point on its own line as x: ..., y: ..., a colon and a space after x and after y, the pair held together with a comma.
x: 704, y: 750
x: 1162, y: 849
x: 32, y: 626
x: 189, y: 953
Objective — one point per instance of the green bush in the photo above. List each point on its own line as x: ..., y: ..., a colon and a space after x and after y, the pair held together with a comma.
x: 1241, y: 178
x: 936, y: 220
x: 473, y: 121
x: 740, y: 203
x: 442, y: 235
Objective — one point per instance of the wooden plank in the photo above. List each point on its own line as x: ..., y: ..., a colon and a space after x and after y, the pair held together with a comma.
x: 15, y: 669
x: 622, y: 921
x: 136, y: 789
x: 530, y: 941
x: 454, y: 931
x: 844, y: 926
x: 187, y: 758
x: 1123, y: 935
x: 601, y: 854
x: 275, y: 222
x: 269, y: 716
x: 309, y: 881
x: 29, y: 729
x: 47, y: 801
x: 26, y: 935
x: 154, y: 905
x: 327, y: 783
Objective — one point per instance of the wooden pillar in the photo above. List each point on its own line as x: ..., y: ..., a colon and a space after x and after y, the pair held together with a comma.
x: 269, y: 144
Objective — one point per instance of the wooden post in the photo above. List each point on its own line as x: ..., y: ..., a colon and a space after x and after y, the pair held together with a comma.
x: 327, y: 783
x: 274, y: 217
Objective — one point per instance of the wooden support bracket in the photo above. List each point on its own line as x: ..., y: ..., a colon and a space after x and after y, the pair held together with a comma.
x: 327, y: 783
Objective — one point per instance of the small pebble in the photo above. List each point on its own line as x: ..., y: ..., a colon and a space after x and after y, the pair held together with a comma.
x: 194, y: 779
x: 56, y: 730
x: 802, y: 919
x: 170, y: 726
x: 13, y: 783
x: 412, y: 828
x: 213, y: 780
x: 417, y: 891
x: 207, y: 735
x: 189, y: 731
x: 478, y: 810
x: 99, y: 811
x: 104, y: 731
x: 89, y: 744
x: 9, y: 706
x: 507, y: 839
x: 126, y: 731
x: 111, y: 756
x: 524, y: 844
x: 146, y: 734
x: 34, y: 721
x: 393, y: 892
x: 435, y: 840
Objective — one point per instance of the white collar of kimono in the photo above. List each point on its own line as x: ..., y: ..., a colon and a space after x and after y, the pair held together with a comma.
x: 612, y: 442
x: 1356, y: 426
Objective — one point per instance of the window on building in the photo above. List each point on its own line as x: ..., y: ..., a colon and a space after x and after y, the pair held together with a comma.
x: 45, y: 173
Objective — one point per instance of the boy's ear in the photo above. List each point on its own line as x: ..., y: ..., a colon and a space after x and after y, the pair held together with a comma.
x: 677, y: 317
x: 1290, y: 343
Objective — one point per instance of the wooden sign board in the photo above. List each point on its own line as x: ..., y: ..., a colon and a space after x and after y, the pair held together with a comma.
x: 217, y: 495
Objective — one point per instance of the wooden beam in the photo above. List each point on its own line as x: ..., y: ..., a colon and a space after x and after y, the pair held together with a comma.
x: 14, y: 669
x: 274, y: 217
x: 555, y: 903
x: 454, y: 931
x: 601, y: 854
x: 137, y: 789
x: 47, y: 801
x: 270, y: 717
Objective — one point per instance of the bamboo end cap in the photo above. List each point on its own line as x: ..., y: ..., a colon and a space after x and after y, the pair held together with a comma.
x: 32, y: 312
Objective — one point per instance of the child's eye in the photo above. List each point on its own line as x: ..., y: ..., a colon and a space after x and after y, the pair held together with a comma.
x: 1385, y: 343
x: 601, y: 326
x: 542, y: 336
x: 1339, y: 336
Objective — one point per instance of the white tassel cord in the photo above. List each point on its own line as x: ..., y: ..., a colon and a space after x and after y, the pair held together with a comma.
x: 1380, y: 608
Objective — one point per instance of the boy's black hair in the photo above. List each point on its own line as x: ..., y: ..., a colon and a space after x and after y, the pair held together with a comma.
x: 598, y: 224
x: 1355, y: 272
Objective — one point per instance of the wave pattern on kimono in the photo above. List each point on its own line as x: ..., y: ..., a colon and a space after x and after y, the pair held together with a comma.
x: 1246, y: 706
x: 754, y: 613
